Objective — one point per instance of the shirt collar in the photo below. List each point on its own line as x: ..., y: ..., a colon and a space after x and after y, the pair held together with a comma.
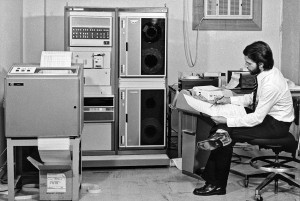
x: 264, y: 74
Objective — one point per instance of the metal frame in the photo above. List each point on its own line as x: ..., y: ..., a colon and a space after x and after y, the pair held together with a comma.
x: 76, y: 164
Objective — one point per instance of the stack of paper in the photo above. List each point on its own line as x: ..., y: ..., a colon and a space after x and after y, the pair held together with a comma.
x: 56, y: 59
x: 190, y: 104
x: 54, y: 150
x: 210, y: 92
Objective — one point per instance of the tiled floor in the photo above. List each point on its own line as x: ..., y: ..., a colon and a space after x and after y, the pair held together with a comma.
x: 168, y: 183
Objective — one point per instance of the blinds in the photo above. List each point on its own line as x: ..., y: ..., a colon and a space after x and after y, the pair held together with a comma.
x: 228, y: 9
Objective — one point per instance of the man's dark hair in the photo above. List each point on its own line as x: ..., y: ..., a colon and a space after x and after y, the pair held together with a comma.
x: 260, y: 52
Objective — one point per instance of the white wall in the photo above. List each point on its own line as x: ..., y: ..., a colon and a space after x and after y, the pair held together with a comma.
x: 33, y: 30
x: 291, y: 41
x: 218, y: 50
x: 11, y: 49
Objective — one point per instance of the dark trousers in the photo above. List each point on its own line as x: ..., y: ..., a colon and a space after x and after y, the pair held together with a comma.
x: 218, y: 165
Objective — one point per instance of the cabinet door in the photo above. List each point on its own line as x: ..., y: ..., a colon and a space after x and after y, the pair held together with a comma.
x: 122, y: 117
x: 122, y: 46
x: 142, y: 117
x: 96, y: 136
x: 129, y: 117
x: 134, y: 47
x: 133, y: 117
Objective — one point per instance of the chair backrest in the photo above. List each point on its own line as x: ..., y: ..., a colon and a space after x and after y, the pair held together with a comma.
x: 291, y: 142
x: 296, y: 132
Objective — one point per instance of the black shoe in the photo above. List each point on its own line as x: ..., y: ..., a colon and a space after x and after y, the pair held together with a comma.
x: 209, y: 189
x: 201, y: 188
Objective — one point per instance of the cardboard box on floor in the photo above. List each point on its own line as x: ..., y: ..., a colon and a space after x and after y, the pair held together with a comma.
x: 56, y: 182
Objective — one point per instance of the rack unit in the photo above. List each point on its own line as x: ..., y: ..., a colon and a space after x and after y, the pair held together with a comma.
x: 128, y: 62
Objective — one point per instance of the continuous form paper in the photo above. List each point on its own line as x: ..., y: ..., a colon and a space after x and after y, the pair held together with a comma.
x: 227, y: 110
x: 56, y: 59
x: 234, y: 81
x: 54, y: 150
x: 59, y: 59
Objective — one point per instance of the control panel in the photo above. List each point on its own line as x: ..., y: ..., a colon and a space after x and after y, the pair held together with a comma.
x: 22, y: 70
x: 90, y: 31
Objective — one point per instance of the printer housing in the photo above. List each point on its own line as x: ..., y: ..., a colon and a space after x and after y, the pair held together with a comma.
x: 43, y: 102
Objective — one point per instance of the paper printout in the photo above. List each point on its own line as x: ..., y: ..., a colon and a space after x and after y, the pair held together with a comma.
x: 54, y: 150
x: 206, y: 88
x: 234, y: 81
x: 56, y: 59
x: 227, y: 110
x: 210, y: 92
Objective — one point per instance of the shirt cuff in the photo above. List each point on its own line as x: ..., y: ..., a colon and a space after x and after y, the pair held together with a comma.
x: 235, y: 100
x: 231, y: 122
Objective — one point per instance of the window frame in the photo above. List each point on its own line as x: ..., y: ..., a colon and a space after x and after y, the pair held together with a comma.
x: 254, y: 24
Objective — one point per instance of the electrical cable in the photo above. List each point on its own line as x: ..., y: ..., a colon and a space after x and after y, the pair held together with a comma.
x: 186, y: 40
x: 3, y: 152
x: 3, y: 181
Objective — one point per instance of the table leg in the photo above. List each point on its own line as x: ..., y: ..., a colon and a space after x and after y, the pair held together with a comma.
x: 75, y: 168
x: 10, y: 170
x: 179, y: 143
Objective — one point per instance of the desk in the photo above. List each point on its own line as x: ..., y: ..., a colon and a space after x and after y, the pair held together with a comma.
x: 295, y: 92
x: 187, y: 121
x: 193, y: 128
x: 76, y: 164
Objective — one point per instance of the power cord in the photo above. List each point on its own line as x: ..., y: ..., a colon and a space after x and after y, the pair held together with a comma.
x: 3, y: 169
x: 186, y: 40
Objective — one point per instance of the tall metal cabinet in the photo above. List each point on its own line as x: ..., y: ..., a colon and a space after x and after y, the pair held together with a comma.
x: 142, y: 79
x: 124, y: 53
x: 90, y: 35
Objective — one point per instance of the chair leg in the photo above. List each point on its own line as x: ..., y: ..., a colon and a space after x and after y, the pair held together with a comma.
x: 291, y: 175
x: 237, y: 173
x: 276, y: 184
x: 269, y: 178
x: 256, y: 175
x: 246, y: 180
x: 248, y: 176
x: 276, y: 177
x: 288, y: 180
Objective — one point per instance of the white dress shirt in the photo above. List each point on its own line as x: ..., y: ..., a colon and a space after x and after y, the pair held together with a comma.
x: 274, y: 99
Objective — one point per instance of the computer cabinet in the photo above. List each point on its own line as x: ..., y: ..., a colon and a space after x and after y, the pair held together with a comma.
x: 142, y: 117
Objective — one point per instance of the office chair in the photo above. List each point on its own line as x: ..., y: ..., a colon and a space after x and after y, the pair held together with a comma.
x: 275, y: 167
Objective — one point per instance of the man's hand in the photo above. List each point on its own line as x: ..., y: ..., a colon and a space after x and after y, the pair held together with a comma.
x: 224, y: 100
x: 219, y: 120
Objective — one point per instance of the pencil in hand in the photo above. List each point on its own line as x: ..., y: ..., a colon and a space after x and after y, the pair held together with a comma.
x: 216, y: 101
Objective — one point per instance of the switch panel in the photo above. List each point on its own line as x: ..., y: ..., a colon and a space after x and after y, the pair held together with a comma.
x: 90, y: 33
x: 22, y: 70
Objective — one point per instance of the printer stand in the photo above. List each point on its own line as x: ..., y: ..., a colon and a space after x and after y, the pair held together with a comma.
x: 76, y: 164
